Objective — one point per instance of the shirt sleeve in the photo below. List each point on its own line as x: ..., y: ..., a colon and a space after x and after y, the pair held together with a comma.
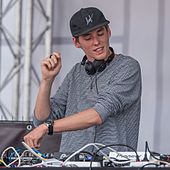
x: 57, y: 103
x: 122, y: 92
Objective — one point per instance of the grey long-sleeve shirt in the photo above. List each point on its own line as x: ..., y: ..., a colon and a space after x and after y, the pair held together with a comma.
x: 114, y: 93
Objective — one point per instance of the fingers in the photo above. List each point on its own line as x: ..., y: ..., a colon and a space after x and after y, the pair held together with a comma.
x: 49, y: 63
x: 29, y: 140
x: 53, y: 61
x: 56, y: 57
x: 50, y: 66
x: 32, y: 139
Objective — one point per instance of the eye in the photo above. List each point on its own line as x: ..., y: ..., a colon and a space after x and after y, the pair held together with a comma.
x: 100, y: 32
x: 87, y: 37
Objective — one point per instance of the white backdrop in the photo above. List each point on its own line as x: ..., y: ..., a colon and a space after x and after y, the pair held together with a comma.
x: 140, y: 28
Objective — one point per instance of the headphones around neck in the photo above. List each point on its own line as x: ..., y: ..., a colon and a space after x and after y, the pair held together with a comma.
x: 97, y: 65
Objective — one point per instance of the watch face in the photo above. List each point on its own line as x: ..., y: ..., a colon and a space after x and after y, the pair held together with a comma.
x: 49, y: 124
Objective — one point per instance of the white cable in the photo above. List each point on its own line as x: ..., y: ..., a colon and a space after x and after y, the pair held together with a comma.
x: 102, y: 145
x: 53, y: 160
x: 18, y: 159
x: 96, y: 146
x: 122, y: 162
x: 81, y: 149
x: 160, y: 161
x: 45, y: 161
x: 32, y: 151
x: 90, y: 144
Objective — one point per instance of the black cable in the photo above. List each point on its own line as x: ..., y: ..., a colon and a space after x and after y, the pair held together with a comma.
x: 152, y: 153
x: 145, y: 155
x: 148, y: 165
x: 106, y: 146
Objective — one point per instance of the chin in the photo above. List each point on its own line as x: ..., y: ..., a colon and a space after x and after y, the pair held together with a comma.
x: 101, y: 56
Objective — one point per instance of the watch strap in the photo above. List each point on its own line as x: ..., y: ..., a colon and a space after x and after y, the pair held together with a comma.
x: 49, y: 125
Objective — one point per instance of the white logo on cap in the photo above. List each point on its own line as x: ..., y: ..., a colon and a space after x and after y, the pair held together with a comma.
x: 89, y: 19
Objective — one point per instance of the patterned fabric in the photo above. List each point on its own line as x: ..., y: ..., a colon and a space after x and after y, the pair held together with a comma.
x: 114, y: 93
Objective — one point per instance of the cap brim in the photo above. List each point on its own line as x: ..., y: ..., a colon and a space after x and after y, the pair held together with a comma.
x: 92, y: 28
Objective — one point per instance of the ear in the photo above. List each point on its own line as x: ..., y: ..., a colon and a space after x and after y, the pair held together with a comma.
x: 109, y: 32
x: 76, y: 42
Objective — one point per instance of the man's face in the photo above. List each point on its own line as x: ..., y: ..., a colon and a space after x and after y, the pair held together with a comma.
x: 95, y: 43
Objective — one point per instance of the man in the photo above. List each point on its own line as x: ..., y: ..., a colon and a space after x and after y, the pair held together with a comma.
x: 99, y: 99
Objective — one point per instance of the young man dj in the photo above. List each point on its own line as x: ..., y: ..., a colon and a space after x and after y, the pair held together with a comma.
x: 99, y: 99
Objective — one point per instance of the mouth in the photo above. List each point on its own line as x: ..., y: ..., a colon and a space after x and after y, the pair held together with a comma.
x: 99, y: 50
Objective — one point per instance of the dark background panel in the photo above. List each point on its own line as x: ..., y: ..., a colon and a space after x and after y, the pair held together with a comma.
x: 12, y: 133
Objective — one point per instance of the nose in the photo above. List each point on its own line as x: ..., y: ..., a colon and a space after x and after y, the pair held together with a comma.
x: 96, y: 40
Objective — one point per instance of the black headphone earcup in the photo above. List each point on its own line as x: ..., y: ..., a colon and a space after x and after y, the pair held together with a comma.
x: 90, y: 69
x: 84, y: 60
x: 97, y: 65
x: 102, y: 66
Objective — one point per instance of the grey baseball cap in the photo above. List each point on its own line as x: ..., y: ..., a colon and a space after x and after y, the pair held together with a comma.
x: 87, y: 19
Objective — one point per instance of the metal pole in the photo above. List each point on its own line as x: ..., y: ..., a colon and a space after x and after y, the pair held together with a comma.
x: 1, y: 109
x: 27, y: 61
x: 16, y: 103
x: 48, y: 35
x: 0, y: 38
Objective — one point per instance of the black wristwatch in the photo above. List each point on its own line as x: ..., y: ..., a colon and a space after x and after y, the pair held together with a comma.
x: 49, y: 124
